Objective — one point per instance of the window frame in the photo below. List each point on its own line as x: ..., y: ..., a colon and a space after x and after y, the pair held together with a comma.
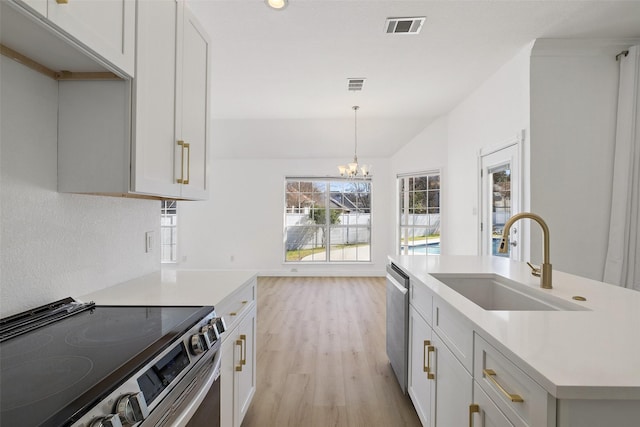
x: 173, y: 227
x: 402, y: 197
x: 326, y: 258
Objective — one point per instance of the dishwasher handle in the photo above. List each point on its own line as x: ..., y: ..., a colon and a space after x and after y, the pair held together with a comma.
x: 393, y: 271
x: 397, y: 285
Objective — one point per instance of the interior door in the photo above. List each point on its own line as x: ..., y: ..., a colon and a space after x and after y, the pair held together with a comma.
x: 500, y: 195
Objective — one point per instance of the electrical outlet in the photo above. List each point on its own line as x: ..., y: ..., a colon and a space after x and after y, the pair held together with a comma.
x: 148, y: 241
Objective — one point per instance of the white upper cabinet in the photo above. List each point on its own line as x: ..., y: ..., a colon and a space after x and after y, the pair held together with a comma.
x: 192, y: 106
x: 171, y: 102
x: 150, y: 139
x: 154, y: 134
x: 105, y: 27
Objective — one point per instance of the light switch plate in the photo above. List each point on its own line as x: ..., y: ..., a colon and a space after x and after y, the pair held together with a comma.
x: 148, y: 241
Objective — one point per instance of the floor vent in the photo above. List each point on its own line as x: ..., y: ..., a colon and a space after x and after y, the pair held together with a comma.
x: 405, y: 25
x: 356, y: 83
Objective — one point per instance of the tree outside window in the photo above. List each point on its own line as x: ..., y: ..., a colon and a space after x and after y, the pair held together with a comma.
x: 327, y: 220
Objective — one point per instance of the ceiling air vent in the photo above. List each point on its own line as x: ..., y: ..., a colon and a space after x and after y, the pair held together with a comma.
x: 356, y: 83
x: 405, y: 25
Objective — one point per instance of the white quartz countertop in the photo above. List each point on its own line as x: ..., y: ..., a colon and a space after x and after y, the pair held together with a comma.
x: 591, y: 354
x: 173, y: 287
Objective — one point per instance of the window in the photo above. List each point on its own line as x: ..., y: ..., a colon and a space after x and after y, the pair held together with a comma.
x: 168, y: 231
x: 327, y: 220
x: 419, y: 214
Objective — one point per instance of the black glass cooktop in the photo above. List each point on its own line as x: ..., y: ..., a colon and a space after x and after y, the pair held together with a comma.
x: 53, y: 374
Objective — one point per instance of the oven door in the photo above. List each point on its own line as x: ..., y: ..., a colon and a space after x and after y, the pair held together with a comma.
x: 197, y: 396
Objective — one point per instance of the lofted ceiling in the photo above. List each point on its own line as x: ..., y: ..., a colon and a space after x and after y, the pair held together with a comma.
x: 279, y: 78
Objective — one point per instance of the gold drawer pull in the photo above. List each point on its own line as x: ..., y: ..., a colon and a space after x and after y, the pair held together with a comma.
x: 491, y: 374
x: 430, y: 374
x: 425, y: 364
x: 181, y: 179
x: 62, y: 1
x: 188, y: 147
x: 243, y: 360
x: 233, y: 313
x: 473, y: 409
x: 239, y: 367
x: 244, y: 302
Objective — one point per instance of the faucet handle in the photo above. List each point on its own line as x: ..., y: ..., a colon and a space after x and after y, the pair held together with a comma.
x: 534, y: 270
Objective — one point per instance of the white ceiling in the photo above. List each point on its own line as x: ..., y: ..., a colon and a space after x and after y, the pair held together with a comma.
x: 279, y: 78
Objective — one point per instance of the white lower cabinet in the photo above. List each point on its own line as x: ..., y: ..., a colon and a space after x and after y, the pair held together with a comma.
x: 419, y: 383
x: 439, y: 385
x: 485, y: 413
x: 523, y: 401
x: 238, y: 363
x: 238, y: 371
x: 453, y: 387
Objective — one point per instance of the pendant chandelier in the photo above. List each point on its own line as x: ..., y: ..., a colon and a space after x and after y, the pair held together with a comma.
x: 353, y: 169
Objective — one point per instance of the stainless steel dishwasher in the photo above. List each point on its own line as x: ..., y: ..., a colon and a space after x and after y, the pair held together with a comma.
x: 398, y: 323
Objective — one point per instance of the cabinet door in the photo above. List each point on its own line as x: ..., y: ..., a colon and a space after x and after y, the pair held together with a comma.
x: 154, y: 100
x: 488, y: 415
x: 420, y: 385
x: 230, y: 359
x: 105, y: 26
x: 453, y: 387
x: 192, y: 107
x: 246, y: 380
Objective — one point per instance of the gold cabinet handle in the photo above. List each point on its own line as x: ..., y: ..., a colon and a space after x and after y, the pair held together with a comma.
x: 188, y: 148
x: 239, y: 367
x: 491, y: 374
x: 62, y: 1
x: 181, y: 179
x: 244, y: 354
x: 473, y: 409
x: 430, y: 374
x: 244, y: 302
x: 425, y: 360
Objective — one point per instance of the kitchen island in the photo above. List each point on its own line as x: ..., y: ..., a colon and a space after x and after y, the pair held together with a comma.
x: 234, y: 296
x: 585, y: 360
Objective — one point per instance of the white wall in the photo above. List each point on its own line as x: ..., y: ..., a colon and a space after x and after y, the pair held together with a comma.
x: 243, y: 218
x: 491, y: 116
x: 573, y: 114
x: 425, y: 153
x: 55, y: 245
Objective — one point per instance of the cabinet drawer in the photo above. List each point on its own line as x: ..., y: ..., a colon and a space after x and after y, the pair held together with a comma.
x: 455, y: 330
x: 518, y: 396
x: 233, y: 307
x: 421, y: 299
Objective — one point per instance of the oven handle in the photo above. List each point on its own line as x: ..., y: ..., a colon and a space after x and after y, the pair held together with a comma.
x: 183, y: 418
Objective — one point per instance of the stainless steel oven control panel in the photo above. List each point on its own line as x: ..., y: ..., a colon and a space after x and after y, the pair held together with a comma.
x: 137, y: 397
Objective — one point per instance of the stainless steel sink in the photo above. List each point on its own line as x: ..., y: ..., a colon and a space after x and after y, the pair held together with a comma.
x: 493, y: 292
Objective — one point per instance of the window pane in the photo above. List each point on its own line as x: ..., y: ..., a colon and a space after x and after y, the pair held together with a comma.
x: 419, y: 222
x: 168, y: 231
x: 313, y: 234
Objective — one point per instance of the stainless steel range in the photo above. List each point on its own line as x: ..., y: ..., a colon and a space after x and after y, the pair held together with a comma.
x: 77, y: 364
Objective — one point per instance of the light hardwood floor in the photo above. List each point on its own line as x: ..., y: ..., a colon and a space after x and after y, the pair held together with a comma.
x: 321, y: 356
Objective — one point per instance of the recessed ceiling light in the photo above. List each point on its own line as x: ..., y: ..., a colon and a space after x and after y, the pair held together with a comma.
x: 404, y: 25
x: 277, y: 4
